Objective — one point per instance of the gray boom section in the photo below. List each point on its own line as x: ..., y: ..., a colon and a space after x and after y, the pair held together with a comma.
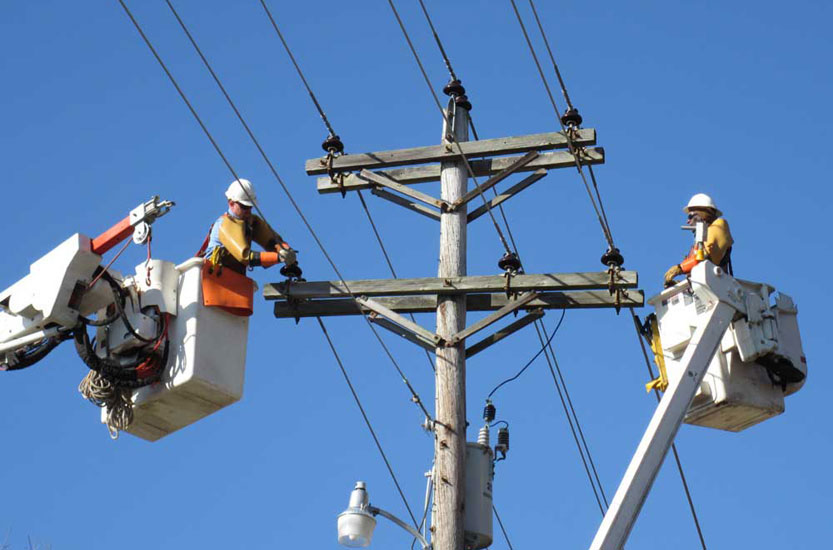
x: 450, y: 285
x: 591, y: 299
x: 448, y: 152
x: 480, y: 167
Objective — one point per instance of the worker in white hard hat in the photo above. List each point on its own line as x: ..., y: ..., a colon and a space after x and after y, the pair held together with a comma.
x: 230, y: 238
x: 718, y: 243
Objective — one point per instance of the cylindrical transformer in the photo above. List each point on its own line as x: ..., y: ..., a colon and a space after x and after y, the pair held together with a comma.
x: 477, y: 519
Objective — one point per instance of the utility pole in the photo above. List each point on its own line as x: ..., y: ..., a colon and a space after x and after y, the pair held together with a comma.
x: 393, y: 176
x: 450, y: 426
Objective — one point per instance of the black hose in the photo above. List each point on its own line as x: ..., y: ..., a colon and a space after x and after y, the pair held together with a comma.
x: 34, y: 352
x: 121, y: 374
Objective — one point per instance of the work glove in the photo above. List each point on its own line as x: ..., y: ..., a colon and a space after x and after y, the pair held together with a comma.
x: 287, y: 256
x: 268, y: 259
x: 674, y: 271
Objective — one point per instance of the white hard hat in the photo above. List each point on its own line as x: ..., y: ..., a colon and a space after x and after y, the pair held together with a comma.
x: 242, y: 191
x: 702, y: 200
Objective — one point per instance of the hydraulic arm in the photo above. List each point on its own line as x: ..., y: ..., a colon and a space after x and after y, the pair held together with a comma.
x: 727, y: 346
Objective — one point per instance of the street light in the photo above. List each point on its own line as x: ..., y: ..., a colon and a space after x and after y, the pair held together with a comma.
x: 356, y: 523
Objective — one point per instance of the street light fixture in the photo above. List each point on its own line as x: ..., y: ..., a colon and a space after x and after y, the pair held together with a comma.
x: 356, y: 523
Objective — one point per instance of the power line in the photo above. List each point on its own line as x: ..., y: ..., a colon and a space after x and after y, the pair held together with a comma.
x: 600, y: 212
x: 449, y: 127
x: 581, y: 451
x: 415, y: 397
x: 569, y: 106
x: 552, y: 58
x: 573, y: 150
x: 502, y: 528
x: 298, y: 69
x: 438, y: 41
x: 332, y: 133
x: 366, y: 419
x: 532, y: 360
x: 514, y: 244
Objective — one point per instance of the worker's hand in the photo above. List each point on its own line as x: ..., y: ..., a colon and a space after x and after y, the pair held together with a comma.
x: 674, y: 271
x: 287, y: 256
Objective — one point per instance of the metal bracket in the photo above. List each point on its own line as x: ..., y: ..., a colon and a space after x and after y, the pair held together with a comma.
x: 513, y: 305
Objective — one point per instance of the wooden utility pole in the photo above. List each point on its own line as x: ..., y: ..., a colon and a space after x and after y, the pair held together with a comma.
x: 392, y: 176
x: 450, y: 428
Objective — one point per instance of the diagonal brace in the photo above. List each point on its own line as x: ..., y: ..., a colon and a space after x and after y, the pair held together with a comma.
x: 384, y: 181
x: 506, y: 195
x: 509, y: 329
x: 494, y: 180
x: 410, y: 205
x: 417, y: 339
x: 513, y: 305
x: 406, y: 324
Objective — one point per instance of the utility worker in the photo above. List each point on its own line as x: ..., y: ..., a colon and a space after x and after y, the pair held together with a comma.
x: 230, y: 238
x: 718, y: 243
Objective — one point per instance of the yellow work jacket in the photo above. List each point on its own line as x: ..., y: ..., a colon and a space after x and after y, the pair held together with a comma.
x: 718, y: 243
x: 234, y: 238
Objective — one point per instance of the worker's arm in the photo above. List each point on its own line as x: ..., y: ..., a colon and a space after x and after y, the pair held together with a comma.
x: 718, y: 241
x: 269, y: 239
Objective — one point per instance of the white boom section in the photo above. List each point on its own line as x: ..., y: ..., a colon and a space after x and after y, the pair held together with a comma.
x: 721, y: 297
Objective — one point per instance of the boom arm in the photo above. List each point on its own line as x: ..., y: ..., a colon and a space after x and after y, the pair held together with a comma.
x: 720, y: 296
x: 137, y: 223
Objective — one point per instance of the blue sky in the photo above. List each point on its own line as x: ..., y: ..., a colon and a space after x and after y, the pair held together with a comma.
x: 731, y: 99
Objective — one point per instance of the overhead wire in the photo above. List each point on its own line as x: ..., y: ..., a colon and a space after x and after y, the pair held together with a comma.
x: 450, y: 130
x: 298, y: 69
x: 573, y: 150
x: 414, y: 396
x: 575, y: 425
x: 539, y: 323
x: 502, y: 528
x: 569, y: 106
x: 366, y: 419
x: 600, y: 212
x: 298, y: 210
x: 532, y: 360
x: 332, y: 132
